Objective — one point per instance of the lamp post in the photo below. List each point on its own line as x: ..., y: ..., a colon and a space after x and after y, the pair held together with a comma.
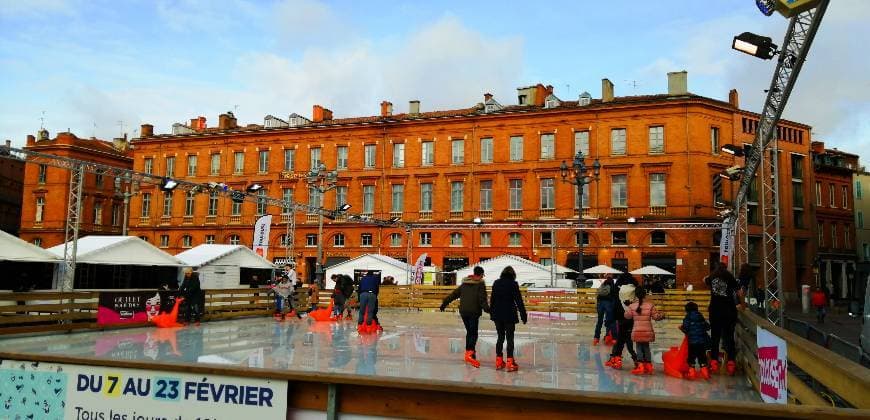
x: 321, y: 180
x: 580, y: 179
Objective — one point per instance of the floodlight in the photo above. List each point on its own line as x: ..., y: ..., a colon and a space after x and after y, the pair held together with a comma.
x: 237, y: 197
x: 631, y: 220
x: 168, y: 184
x: 344, y: 207
x: 756, y: 45
x: 254, y: 188
x: 737, y: 151
x: 722, y: 204
x: 477, y: 221
x: 395, y: 219
x: 766, y: 7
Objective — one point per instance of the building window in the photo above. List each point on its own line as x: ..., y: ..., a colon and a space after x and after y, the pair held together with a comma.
x: 516, y: 194
x: 797, y: 166
x: 283, y: 240
x: 618, y: 191
x: 860, y: 219
x: 658, y: 237
x: 98, y: 213
x: 186, y: 241
x: 581, y: 142
x: 209, y: 239
x: 866, y: 252
x: 146, y: 204
x: 98, y: 180
x: 149, y: 166
x: 486, y: 195
x: 831, y: 194
x: 314, y: 161
x: 170, y: 166
x: 395, y: 239
x: 818, y: 194
x: 369, y: 155
x: 365, y: 239
x: 514, y: 239
x: 428, y: 153
x: 548, y: 194
x: 238, y: 162
x: 399, y: 155
x: 236, y: 209
x: 456, y: 196
x: 43, y: 169
x: 235, y: 240
x: 657, y: 195
x: 398, y: 198
x: 164, y: 241
x: 426, y: 197
x: 486, y: 150
x: 368, y: 199
x: 315, y: 197
x: 340, y: 196
x: 546, y: 262
x: 833, y: 235
x: 617, y: 141
x: 847, y: 237
x: 425, y: 238
x: 40, y: 209
x: 546, y: 238
x: 714, y: 140
x: 548, y: 146
x: 116, y: 214
x: 455, y: 239
x: 798, y: 216
x: 458, y: 152
x: 657, y: 139
x: 167, y: 204
x: 212, y: 203
x: 311, y: 239
x: 585, y: 197
x: 845, y: 191
x: 485, y: 239
x: 341, y: 157
x: 263, y: 162
x: 821, y: 235
x: 858, y: 189
x: 290, y: 159
x: 338, y: 240
x: 38, y: 242
x: 144, y: 238
x: 516, y: 149
x: 287, y: 196
x: 797, y: 194
x: 619, y: 237
x: 215, y: 165
x: 585, y: 238
x: 191, y: 165
x: 261, y: 202
x: 189, y: 202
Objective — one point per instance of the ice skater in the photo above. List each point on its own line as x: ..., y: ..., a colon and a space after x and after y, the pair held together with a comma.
x: 472, y: 303
x: 643, y: 314
x: 695, y: 327
x: 724, y: 301
x: 505, y: 301
x: 338, y: 301
x: 622, y: 326
x: 369, y: 286
x: 605, y: 300
x: 284, y: 294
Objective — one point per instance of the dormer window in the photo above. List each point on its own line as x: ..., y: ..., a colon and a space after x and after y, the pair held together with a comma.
x: 552, y: 102
x: 522, y: 99
x: 585, y: 99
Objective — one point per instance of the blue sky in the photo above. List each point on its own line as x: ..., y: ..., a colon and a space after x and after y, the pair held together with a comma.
x: 90, y: 64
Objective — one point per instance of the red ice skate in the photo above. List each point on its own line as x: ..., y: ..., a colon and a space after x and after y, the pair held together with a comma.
x: 595, y: 341
x: 499, y: 363
x: 469, y: 358
x: 691, y: 375
x: 512, y: 365
x: 647, y: 368
x: 714, y: 366
x: 638, y: 370
x: 731, y: 367
x: 705, y: 372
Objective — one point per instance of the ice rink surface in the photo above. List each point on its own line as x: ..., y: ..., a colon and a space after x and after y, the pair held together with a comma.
x: 551, y: 353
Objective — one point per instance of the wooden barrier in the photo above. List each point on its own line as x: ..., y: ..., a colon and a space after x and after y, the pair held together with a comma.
x: 847, y: 379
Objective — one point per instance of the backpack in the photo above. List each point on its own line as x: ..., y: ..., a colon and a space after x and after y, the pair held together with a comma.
x: 604, y: 291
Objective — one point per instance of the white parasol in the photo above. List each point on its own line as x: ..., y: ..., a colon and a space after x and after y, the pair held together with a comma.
x: 601, y: 269
x: 651, y: 270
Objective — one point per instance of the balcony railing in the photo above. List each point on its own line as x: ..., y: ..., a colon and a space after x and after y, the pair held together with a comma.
x: 98, y: 227
x: 548, y: 213
x: 396, y: 214
x: 484, y: 214
x: 658, y: 210
x: 285, y: 218
x: 425, y: 215
x: 188, y: 220
x: 210, y: 219
x: 312, y: 218
x: 341, y: 217
x: 456, y: 214
x: 235, y: 220
x: 165, y: 220
x: 618, y: 211
x: 515, y: 214
x: 144, y: 221
x: 587, y: 212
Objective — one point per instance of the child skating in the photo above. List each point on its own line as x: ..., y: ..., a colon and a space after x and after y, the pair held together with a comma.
x: 472, y: 304
x: 643, y: 314
x: 695, y: 327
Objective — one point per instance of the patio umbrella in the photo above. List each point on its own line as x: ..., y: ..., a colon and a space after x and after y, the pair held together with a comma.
x: 651, y: 270
x: 601, y: 269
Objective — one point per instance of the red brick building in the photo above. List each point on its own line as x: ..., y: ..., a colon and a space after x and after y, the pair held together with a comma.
x: 441, y: 169
x: 46, y: 189
x: 11, y: 186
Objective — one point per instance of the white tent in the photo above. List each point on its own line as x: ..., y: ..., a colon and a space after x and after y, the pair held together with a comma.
x: 386, y: 265
x: 220, y: 266
x: 15, y: 249
x: 527, y: 271
x: 18, y: 257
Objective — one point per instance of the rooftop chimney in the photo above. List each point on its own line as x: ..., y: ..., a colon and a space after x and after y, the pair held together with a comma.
x: 734, y: 98
x: 321, y: 114
x: 386, y: 109
x: 413, y: 107
x: 146, y: 130
x: 606, y: 90
x: 31, y: 139
x: 226, y: 121
x: 8, y: 143
x: 42, y: 134
x: 120, y: 143
x: 678, y: 83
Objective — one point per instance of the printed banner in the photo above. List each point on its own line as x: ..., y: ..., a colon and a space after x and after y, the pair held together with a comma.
x: 726, y: 244
x: 58, y: 391
x: 134, y: 306
x: 772, y: 367
x: 261, y: 235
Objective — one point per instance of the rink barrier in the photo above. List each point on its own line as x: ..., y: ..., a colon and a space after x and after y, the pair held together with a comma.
x: 829, y: 373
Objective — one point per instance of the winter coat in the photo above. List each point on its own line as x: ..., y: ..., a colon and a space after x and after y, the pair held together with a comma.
x: 819, y: 299
x: 472, y: 297
x: 643, y: 328
x: 369, y: 284
x: 345, y: 282
x: 611, y: 295
x: 695, y: 327
x: 338, y: 297
x: 505, y: 300
x: 190, y: 287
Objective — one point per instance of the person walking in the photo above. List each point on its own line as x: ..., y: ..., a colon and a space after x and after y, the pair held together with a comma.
x: 505, y: 301
x: 724, y: 301
x: 626, y: 285
x: 695, y: 327
x: 604, y: 306
x: 368, y: 299
x: 820, y: 301
x: 472, y: 303
x: 643, y: 314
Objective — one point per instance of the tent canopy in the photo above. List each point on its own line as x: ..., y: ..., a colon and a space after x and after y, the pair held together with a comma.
x: 527, y: 271
x: 15, y: 249
x: 388, y: 266
x: 236, y: 255
x: 118, y: 250
x: 651, y: 270
x: 602, y: 269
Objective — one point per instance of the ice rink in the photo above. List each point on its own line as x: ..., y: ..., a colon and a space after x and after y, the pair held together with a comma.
x: 551, y: 353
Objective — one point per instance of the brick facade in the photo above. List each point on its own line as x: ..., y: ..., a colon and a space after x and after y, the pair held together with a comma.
x: 11, y: 187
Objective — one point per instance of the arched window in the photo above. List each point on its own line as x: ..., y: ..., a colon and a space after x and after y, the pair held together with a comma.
x: 717, y: 237
x: 455, y: 239
x: 338, y: 239
x: 515, y: 239
x: 235, y: 240
x: 395, y: 239
x: 658, y: 237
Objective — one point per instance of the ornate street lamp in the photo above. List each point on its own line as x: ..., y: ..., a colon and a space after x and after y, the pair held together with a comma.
x: 579, y: 177
x: 321, y: 180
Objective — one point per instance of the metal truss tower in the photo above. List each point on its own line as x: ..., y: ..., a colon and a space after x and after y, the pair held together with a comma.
x: 73, y: 219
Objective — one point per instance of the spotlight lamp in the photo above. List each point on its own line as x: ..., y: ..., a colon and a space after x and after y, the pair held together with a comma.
x: 732, y: 174
x: 766, y: 7
x: 737, y: 151
x: 722, y: 204
x: 395, y: 220
x: 755, y: 45
x: 254, y: 188
x: 168, y: 184
x: 237, y: 197
x: 477, y: 221
x: 344, y: 207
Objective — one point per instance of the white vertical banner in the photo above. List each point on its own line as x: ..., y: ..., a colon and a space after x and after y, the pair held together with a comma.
x: 261, y: 235
x: 726, y: 244
x: 418, y: 269
x: 772, y: 367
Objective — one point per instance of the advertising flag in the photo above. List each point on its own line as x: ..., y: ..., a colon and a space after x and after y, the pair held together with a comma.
x: 261, y: 235
x: 726, y: 245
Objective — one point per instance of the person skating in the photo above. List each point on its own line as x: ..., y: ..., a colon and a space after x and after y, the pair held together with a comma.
x: 724, y: 301
x: 819, y: 301
x: 505, y: 301
x: 191, y: 291
x: 695, y: 327
x: 472, y: 303
x: 604, y: 306
x: 643, y: 314
x: 626, y: 285
x: 368, y: 299
x: 347, y: 288
x: 283, y: 294
x: 338, y: 301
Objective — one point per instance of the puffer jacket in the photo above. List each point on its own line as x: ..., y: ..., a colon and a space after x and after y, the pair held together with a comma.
x: 472, y: 297
x: 695, y: 327
x: 643, y: 331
